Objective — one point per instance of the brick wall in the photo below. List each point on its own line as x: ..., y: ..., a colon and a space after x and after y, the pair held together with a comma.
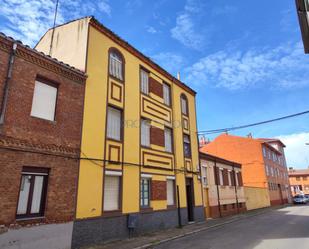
x: 18, y: 123
x: 61, y: 190
x: 158, y: 190
x: 157, y: 136
x: 155, y: 87
x: 34, y: 142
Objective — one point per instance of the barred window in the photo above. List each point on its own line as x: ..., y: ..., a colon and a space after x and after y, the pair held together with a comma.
x: 145, y: 192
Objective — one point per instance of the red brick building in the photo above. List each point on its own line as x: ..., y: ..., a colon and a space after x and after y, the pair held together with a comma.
x: 41, y: 111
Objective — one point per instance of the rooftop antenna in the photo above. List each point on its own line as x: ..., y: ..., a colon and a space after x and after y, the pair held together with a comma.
x: 53, y: 31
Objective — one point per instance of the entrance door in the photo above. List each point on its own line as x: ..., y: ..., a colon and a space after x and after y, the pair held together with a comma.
x: 189, y: 191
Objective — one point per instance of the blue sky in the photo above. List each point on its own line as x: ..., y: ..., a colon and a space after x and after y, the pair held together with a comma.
x: 244, y: 58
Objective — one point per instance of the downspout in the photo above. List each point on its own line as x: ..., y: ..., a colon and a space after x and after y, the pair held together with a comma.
x: 218, y: 194
x: 235, y: 189
x: 6, y: 83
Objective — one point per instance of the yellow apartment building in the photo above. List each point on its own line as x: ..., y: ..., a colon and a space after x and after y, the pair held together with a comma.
x: 139, y: 137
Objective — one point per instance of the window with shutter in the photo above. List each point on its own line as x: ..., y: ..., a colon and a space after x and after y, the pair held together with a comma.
x: 145, y: 133
x: 116, y: 65
x: 184, y: 104
x: 114, y: 123
x: 170, y: 192
x: 168, y: 139
x: 44, y: 101
x: 166, y: 94
x: 144, y: 78
x: 221, y: 177
x: 111, y: 193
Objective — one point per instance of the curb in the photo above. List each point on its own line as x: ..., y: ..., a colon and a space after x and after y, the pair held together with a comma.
x: 237, y: 218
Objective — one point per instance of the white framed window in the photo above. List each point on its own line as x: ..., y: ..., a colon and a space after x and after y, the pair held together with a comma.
x: 114, y: 123
x: 116, y: 65
x: 168, y: 139
x: 111, y: 192
x: 229, y: 177
x: 204, y: 175
x: 44, y: 101
x: 184, y: 104
x: 221, y: 177
x: 167, y: 94
x: 33, y: 189
x: 145, y: 192
x: 267, y: 170
x: 170, y: 188
x: 144, y: 77
x: 145, y: 133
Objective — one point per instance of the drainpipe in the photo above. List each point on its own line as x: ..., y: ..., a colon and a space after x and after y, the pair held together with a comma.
x: 216, y: 181
x: 6, y: 83
x: 235, y: 188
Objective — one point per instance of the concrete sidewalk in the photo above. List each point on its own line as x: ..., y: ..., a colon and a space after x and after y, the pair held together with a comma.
x: 158, y: 237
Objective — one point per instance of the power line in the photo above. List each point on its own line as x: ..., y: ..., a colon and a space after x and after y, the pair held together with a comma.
x: 250, y: 125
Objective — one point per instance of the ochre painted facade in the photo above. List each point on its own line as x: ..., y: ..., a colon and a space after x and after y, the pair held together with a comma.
x: 100, y: 154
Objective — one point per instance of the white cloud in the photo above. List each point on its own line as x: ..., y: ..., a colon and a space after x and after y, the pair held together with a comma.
x: 151, y: 30
x: 185, y: 31
x: 296, y: 152
x: 28, y: 20
x: 283, y: 66
x: 169, y: 61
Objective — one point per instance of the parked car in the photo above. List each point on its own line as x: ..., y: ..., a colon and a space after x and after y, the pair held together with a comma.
x: 300, y: 199
x: 307, y: 197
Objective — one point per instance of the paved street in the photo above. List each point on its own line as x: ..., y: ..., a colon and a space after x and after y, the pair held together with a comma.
x: 285, y: 228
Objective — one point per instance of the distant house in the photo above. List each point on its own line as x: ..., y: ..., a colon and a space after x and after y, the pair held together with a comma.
x: 223, y: 186
x: 264, y: 170
x: 299, y: 180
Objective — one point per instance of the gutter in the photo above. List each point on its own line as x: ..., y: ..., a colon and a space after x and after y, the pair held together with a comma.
x: 234, y: 176
x: 6, y: 83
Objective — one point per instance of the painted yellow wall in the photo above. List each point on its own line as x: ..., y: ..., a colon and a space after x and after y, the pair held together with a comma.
x: 91, y: 175
x: 256, y: 197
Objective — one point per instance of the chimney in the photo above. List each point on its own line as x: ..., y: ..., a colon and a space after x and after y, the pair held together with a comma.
x: 178, y: 75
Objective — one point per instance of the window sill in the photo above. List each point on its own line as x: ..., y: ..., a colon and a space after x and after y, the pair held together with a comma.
x: 53, y: 122
x: 30, y: 218
x: 116, y: 79
x: 170, y: 207
x: 114, y: 140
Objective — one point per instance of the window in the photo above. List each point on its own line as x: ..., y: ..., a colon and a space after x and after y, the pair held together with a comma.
x: 264, y: 152
x: 145, y: 192
x: 32, y: 193
x: 44, y: 101
x: 111, y: 192
x: 184, y: 104
x: 229, y: 178
x: 204, y: 175
x: 170, y: 187
x: 114, y: 123
x: 186, y: 145
x: 145, y: 133
x: 221, y: 177
x: 144, y: 82
x: 168, y: 139
x: 116, y: 65
x: 167, y: 94
x: 305, y: 178
x: 236, y: 179
x: 267, y: 170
